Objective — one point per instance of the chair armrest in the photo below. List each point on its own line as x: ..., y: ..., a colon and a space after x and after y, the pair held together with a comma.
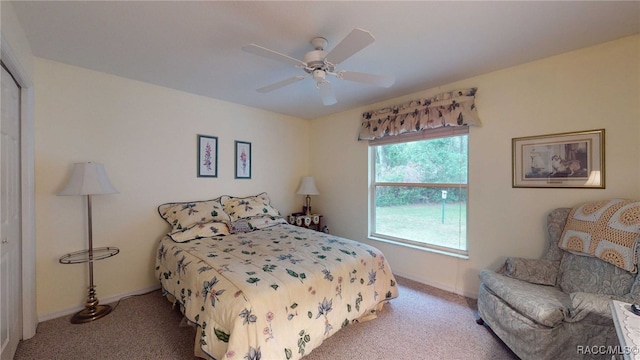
x: 594, y: 308
x: 535, y: 271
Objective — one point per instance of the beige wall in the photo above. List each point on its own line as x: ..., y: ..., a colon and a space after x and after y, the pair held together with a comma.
x: 592, y: 88
x: 145, y: 136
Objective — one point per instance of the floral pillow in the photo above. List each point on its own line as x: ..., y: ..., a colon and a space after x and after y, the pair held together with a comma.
x: 200, y: 230
x: 241, y: 226
x: 184, y: 215
x: 255, y: 223
x: 251, y: 206
x: 261, y: 222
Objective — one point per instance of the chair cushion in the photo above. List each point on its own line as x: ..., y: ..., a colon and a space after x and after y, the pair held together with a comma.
x: 592, y: 275
x: 593, y: 308
x: 549, y: 306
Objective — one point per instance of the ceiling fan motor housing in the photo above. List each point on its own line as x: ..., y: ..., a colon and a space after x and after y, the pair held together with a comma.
x: 315, y: 61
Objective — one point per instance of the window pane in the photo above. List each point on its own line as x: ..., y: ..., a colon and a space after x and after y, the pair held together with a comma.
x: 421, y: 215
x: 436, y: 161
x: 420, y: 192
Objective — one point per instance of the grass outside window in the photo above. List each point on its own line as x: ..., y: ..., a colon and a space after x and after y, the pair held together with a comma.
x: 425, y: 223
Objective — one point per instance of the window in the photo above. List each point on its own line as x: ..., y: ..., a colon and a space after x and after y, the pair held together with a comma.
x: 419, y: 190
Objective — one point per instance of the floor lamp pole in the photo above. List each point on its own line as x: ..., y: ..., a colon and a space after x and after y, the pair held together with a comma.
x: 92, y: 310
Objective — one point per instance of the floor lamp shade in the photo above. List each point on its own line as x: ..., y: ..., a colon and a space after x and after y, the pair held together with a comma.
x: 88, y: 178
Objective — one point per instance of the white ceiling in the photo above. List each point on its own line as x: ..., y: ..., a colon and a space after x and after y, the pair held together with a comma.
x: 196, y: 46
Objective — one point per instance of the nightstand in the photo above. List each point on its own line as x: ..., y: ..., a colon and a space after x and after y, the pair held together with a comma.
x: 312, y: 221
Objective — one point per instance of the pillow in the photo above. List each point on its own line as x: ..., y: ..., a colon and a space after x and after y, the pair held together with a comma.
x: 201, y: 230
x: 261, y: 222
x: 605, y: 229
x: 255, y: 223
x: 240, y: 208
x: 184, y: 215
x: 241, y: 226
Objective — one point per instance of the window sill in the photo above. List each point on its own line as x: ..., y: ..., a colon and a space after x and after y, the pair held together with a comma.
x: 442, y: 251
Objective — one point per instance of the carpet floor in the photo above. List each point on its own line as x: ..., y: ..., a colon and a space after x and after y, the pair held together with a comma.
x: 422, y: 323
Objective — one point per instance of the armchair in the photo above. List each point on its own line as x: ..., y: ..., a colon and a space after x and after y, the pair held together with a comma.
x: 557, y: 307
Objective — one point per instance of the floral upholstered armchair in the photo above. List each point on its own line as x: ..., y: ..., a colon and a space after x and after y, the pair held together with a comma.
x: 553, y: 307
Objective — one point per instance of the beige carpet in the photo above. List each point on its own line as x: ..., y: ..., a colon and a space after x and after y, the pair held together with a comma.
x: 423, y: 323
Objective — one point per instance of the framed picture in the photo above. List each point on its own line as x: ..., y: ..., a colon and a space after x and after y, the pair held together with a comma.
x: 207, y: 156
x: 243, y: 160
x: 565, y: 160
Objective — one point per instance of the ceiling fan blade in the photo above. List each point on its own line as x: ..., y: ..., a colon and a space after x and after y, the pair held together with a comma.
x: 357, y: 40
x: 270, y: 54
x: 280, y: 84
x: 326, y: 93
x: 373, y: 79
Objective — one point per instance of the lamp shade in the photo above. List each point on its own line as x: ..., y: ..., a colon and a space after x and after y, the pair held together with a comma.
x: 594, y: 179
x: 308, y: 186
x: 88, y: 178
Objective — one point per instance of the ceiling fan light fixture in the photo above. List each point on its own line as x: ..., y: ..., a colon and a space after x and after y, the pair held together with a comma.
x: 326, y: 93
x: 319, y: 76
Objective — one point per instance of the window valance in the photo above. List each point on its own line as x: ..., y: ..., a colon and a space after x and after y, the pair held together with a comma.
x: 454, y: 108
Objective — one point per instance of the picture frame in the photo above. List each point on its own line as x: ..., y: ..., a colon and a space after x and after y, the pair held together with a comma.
x: 207, y: 156
x: 242, y: 160
x: 563, y: 160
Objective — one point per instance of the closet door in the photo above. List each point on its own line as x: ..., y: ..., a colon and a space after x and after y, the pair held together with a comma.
x: 10, y: 236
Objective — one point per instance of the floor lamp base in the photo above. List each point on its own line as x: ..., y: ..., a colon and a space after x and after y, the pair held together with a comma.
x: 90, y: 314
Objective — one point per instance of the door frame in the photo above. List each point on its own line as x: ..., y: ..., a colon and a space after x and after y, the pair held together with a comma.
x: 27, y: 173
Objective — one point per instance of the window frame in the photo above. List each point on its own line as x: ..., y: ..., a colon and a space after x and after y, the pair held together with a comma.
x: 418, y: 136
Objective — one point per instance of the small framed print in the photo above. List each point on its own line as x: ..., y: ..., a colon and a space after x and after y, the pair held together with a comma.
x: 207, y: 156
x: 565, y: 160
x: 243, y: 160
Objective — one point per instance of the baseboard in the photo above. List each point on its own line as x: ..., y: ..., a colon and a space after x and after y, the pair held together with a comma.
x: 438, y: 285
x: 107, y: 300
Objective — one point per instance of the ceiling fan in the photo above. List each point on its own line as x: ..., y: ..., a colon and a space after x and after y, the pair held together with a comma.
x: 318, y: 64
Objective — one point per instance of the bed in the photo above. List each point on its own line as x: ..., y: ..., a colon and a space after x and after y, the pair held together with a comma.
x: 258, y: 287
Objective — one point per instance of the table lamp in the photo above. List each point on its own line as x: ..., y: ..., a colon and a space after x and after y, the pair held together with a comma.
x: 308, y: 187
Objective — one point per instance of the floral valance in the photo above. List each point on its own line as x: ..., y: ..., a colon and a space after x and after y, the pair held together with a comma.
x: 454, y: 108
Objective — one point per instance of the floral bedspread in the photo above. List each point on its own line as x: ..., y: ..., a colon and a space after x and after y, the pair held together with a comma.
x: 275, y: 293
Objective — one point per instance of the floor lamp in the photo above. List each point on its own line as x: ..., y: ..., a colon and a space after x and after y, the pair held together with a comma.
x: 89, y: 179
